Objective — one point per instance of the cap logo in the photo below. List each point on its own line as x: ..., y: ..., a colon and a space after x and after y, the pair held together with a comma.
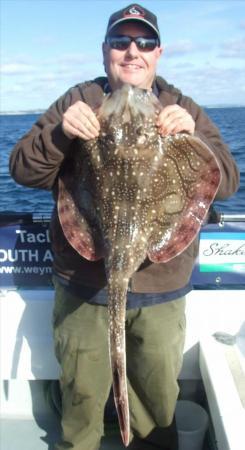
x: 134, y: 11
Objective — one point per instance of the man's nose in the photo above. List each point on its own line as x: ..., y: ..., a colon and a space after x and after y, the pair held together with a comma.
x: 132, y: 49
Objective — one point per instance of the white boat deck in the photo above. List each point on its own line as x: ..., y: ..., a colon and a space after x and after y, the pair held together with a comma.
x: 27, y: 434
x: 28, y: 361
x: 222, y: 368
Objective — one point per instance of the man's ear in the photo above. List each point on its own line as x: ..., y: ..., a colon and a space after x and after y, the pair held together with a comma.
x: 105, y: 51
x: 161, y: 51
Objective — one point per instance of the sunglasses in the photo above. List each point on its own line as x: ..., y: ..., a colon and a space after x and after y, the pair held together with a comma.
x: 144, y: 44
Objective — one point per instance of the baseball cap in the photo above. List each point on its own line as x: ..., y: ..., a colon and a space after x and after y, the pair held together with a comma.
x: 135, y: 13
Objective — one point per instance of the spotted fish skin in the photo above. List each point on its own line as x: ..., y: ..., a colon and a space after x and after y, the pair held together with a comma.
x: 134, y: 194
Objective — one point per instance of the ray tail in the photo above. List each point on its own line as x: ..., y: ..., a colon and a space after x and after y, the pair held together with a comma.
x: 116, y: 305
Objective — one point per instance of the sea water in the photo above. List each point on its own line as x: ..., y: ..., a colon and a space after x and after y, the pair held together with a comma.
x: 16, y: 198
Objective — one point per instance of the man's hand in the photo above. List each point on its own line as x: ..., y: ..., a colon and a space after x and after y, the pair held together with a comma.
x: 174, y: 119
x: 80, y: 121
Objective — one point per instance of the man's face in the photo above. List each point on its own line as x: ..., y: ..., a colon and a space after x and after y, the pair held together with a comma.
x: 132, y: 65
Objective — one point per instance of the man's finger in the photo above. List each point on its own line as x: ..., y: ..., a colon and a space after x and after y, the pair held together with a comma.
x: 168, y: 111
x: 86, y: 112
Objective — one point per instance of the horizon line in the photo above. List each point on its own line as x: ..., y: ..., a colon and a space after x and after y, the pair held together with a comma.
x: 41, y: 110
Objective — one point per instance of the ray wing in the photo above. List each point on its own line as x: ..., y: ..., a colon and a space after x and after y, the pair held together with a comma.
x: 81, y: 234
x: 189, y: 195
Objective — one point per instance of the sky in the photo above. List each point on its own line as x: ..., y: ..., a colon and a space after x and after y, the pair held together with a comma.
x: 47, y: 46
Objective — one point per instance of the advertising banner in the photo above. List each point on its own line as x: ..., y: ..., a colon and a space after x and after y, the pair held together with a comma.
x: 25, y: 256
x: 221, y: 259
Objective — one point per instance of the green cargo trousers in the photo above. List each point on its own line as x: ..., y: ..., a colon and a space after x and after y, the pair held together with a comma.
x: 154, y: 340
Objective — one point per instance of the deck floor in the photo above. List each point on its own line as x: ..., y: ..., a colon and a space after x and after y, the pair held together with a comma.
x: 26, y: 434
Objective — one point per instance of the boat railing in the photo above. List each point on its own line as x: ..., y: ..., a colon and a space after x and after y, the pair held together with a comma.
x: 26, y: 256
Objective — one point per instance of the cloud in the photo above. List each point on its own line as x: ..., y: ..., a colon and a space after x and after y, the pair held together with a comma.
x: 234, y: 48
x: 65, y: 70
x: 74, y: 59
x: 17, y: 68
x: 36, y: 84
x: 208, y: 84
x: 23, y: 65
x: 15, y: 89
x: 184, y: 47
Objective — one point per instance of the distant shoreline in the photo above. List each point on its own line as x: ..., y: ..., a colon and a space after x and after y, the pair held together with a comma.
x: 41, y: 111
x: 22, y: 113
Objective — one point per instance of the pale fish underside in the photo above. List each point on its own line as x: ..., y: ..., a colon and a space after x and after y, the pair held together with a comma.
x: 132, y: 194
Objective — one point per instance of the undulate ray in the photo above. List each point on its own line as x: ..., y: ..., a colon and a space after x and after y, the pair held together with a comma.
x: 131, y: 194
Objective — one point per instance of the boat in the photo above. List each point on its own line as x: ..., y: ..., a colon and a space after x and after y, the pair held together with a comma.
x: 212, y: 375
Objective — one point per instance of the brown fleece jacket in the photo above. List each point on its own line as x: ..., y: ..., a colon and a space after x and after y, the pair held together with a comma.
x: 44, y: 151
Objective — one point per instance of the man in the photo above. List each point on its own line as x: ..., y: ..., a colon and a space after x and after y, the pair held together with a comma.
x: 155, y: 321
